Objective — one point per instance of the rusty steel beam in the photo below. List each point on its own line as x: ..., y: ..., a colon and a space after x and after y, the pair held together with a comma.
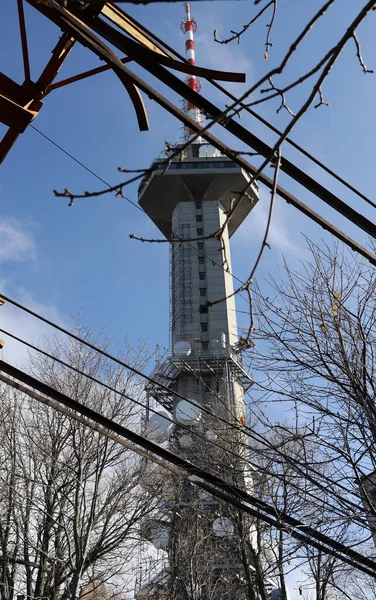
x: 80, y: 76
x: 25, y: 51
x: 168, y: 60
x: 71, y: 26
x: 7, y: 143
x: 121, y: 19
x: 19, y: 104
x: 130, y: 27
x: 59, y: 55
x: 79, y: 17
x: 108, y: 56
x: 22, y: 94
x: 13, y: 115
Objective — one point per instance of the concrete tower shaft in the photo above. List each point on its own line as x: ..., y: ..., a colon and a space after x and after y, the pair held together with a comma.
x: 197, y: 276
x: 188, y: 202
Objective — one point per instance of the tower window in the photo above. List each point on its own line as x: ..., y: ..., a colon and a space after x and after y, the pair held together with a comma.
x: 205, y: 346
x: 201, y: 260
x: 200, y: 246
x: 202, y: 291
x: 203, y: 309
x: 202, y: 276
x: 198, y: 218
x: 200, y: 231
x: 204, y: 327
x: 198, y: 206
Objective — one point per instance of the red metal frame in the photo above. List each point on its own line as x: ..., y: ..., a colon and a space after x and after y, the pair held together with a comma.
x: 20, y: 104
x: 80, y: 76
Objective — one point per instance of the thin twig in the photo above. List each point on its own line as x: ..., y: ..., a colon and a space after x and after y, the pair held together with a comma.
x: 237, y: 34
x: 280, y: 93
x: 268, y: 43
x: 322, y: 101
x: 359, y: 54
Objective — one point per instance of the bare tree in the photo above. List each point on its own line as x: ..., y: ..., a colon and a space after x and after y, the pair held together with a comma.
x: 292, y: 491
x: 315, y: 349
x: 10, y: 525
x: 71, y: 500
x: 257, y: 557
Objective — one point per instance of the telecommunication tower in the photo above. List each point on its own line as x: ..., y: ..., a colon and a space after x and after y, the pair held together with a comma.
x: 191, y: 199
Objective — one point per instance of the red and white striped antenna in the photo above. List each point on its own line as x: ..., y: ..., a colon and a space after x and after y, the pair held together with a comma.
x: 189, y: 26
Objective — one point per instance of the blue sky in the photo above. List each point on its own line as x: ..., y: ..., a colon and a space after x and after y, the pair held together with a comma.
x: 60, y: 260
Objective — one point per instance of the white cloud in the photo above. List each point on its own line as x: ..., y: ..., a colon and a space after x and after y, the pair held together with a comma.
x: 26, y: 327
x: 230, y: 57
x: 282, y: 233
x: 225, y: 58
x: 17, y: 243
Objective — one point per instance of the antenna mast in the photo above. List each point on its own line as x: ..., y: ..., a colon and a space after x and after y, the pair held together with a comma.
x: 189, y: 26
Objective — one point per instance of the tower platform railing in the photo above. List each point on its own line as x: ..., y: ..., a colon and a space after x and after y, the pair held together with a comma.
x: 167, y: 371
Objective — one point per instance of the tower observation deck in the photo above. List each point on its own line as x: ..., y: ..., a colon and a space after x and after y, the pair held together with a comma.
x: 189, y: 201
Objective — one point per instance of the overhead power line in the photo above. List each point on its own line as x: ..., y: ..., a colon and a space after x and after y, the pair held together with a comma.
x: 72, y: 335
x: 220, y: 87
x: 257, y: 466
x: 258, y: 439
x: 201, y: 478
x: 84, y: 166
x: 81, y: 164
x: 236, y: 427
